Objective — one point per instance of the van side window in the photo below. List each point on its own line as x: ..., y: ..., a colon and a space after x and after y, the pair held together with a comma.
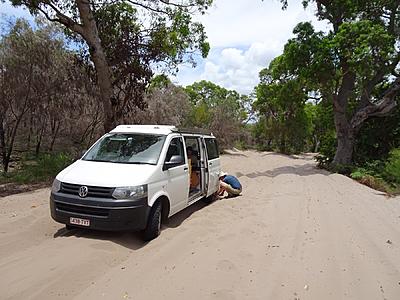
x: 212, y: 148
x: 175, y: 148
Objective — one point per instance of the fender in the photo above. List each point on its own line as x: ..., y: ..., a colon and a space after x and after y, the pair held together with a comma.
x: 158, y: 195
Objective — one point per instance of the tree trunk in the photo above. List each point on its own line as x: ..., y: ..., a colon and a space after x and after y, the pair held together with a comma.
x: 104, y: 81
x: 54, y: 136
x: 282, y: 143
x: 3, y: 145
x: 39, y: 140
x: 345, y: 138
x: 317, y: 142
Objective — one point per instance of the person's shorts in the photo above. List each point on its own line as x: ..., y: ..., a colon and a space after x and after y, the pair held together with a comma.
x: 230, y: 190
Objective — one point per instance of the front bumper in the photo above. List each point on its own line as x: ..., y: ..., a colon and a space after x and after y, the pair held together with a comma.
x: 103, y: 213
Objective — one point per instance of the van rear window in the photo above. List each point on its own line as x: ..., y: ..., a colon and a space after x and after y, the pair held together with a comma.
x: 212, y: 148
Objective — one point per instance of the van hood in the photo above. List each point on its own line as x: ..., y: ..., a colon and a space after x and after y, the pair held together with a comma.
x: 106, y: 174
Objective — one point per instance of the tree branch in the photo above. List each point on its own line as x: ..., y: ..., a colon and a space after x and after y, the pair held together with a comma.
x: 160, y: 11
x: 378, y: 77
x: 379, y: 109
x: 61, y: 18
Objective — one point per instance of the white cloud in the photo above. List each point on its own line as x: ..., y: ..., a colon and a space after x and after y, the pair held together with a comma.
x: 234, y: 68
x: 245, y: 35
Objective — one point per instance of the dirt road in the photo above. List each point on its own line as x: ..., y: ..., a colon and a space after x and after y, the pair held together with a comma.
x: 296, y: 233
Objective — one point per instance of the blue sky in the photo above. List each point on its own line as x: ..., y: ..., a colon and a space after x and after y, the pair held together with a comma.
x: 245, y: 35
x: 8, y: 10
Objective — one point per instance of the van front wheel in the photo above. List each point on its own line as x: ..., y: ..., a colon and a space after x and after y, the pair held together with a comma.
x: 153, y: 227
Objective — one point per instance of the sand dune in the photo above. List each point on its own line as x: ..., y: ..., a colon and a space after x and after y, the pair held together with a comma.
x: 296, y: 233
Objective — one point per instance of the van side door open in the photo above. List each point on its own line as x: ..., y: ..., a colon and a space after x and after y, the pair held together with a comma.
x: 214, y: 165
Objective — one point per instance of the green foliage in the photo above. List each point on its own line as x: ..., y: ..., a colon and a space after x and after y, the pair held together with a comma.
x: 158, y: 82
x: 358, y: 174
x: 328, y: 144
x: 350, y: 66
x: 216, y: 108
x: 377, y: 137
x: 374, y: 168
x: 41, y: 169
x: 372, y: 175
x: 376, y: 183
x: 284, y: 115
x: 365, y: 44
x: 392, y: 166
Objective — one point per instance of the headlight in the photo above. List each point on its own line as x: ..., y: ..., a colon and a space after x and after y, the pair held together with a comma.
x: 130, y: 192
x: 56, y: 186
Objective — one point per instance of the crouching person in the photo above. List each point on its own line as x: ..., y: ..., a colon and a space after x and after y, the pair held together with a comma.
x: 229, y: 184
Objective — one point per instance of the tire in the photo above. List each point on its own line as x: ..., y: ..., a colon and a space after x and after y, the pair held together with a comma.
x: 153, y: 227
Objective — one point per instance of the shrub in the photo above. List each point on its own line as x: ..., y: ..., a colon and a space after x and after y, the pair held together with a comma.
x: 323, y: 161
x: 375, y: 182
x: 358, y: 174
x: 42, y: 169
x: 370, y: 176
x: 392, y: 166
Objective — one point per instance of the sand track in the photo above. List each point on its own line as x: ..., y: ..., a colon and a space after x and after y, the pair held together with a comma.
x: 296, y: 233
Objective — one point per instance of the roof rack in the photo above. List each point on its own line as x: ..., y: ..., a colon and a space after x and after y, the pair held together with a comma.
x: 192, y: 130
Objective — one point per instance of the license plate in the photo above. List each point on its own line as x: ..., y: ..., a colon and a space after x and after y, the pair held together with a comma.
x: 81, y: 222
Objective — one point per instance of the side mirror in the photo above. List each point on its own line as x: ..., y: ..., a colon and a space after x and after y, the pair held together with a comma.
x: 175, y: 160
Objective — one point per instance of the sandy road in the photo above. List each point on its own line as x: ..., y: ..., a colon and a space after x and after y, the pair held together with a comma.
x: 296, y: 233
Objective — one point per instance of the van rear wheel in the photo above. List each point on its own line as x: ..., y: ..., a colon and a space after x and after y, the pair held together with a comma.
x: 153, y: 227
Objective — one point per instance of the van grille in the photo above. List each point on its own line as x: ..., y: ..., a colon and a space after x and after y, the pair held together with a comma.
x: 93, y: 191
x: 82, y: 210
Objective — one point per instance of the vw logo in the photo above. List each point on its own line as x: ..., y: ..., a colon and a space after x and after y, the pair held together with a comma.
x: 83, y: 191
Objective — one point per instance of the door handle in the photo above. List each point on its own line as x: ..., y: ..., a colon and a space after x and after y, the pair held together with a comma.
x: 210, y: 163
x: 186, y: 168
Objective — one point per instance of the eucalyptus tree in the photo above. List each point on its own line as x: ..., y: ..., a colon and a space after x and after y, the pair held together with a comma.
x: 125, y: 39
x: 27, y: 59
x: 219, y: 109
x: 166, y: 103
x: 42, y: 88
x: 349, y: 65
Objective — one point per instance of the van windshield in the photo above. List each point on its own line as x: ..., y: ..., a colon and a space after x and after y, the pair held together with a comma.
x: 128, y: 148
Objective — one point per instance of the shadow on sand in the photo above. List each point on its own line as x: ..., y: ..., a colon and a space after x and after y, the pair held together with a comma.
x: 304, y: 156
x: 301, y: 170
x: 130, y: 240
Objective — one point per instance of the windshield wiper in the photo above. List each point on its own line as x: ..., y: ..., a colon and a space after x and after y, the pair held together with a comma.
x: 100, y: 160
x: 122, y: 162
x: 136, y: 163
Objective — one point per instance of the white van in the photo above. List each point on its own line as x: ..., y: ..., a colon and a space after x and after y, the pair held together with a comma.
x: 136, y: 176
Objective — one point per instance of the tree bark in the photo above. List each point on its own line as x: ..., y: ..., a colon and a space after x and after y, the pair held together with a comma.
x: 54, y: 136
x: 345, y: 139
x: 347, y: 130
x: 3, y: 144
x: 91, y: 35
